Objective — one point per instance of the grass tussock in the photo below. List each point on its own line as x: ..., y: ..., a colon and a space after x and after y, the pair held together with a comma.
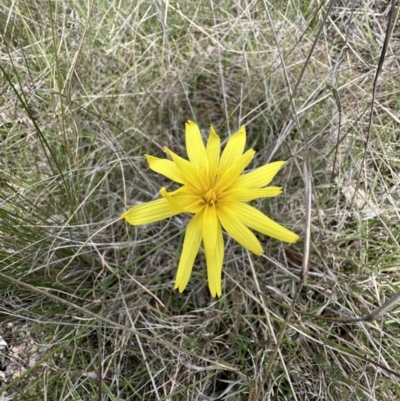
x: 88, y: 309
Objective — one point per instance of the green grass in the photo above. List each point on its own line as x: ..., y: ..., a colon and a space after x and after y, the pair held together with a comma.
x: 89, y: 310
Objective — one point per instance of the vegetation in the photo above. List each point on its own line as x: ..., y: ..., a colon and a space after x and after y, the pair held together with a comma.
x: 88, y: 310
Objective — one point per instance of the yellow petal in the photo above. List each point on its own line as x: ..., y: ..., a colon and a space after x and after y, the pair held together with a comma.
x: 258, y: 221
x: 214, y: 265
x: 237, y: 230
x: 190, y: 248
x: 189, y: 200
x: 233, y: 150
x: 189, y: 171
x: 149, y: 212
x: 260, y: 177
x: 195, y: 146
x: 213, y: 149
x: 232, y: 173
x: 165, y: 167
x: 210, y: 224
x: 248, y: 194
x: 173, y: 202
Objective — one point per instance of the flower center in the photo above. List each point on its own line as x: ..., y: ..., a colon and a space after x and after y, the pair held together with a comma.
x: 210, y: 197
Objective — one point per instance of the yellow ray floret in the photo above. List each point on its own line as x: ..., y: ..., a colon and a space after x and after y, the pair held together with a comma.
x: 215, y: 190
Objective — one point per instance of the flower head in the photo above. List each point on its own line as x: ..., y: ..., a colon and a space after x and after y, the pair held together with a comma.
x: 216, y: 192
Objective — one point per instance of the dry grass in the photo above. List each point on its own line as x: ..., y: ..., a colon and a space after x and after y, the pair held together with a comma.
x: 87, y: 89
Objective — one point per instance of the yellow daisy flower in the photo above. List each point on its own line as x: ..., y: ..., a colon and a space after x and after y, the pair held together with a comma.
x: 215, y: 191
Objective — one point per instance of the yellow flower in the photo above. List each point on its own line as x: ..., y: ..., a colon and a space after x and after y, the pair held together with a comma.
x: 215, y: 191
